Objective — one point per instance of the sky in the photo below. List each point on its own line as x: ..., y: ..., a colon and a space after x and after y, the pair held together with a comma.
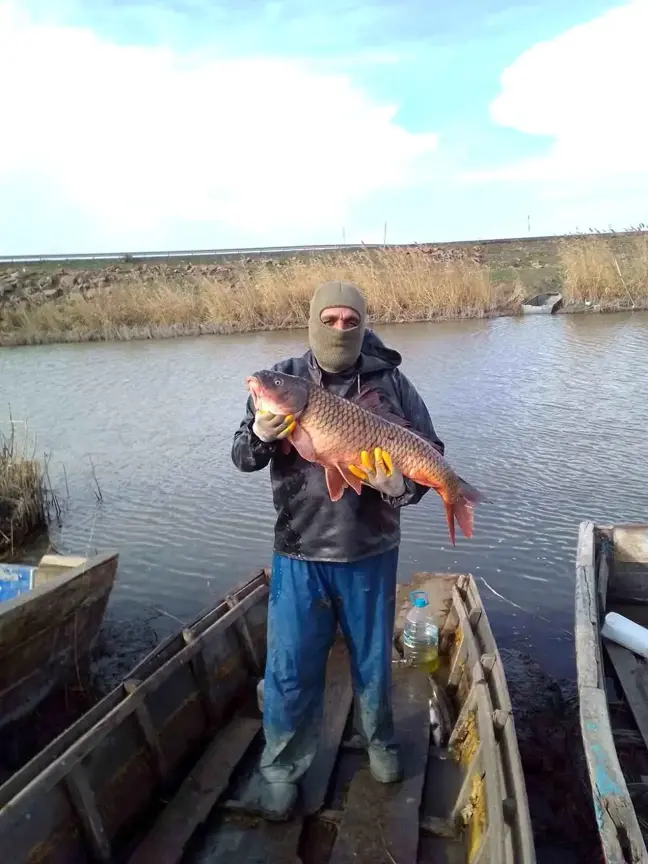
x: 201, y: 124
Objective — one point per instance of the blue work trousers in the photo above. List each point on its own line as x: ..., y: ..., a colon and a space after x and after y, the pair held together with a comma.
x: 307, y: 601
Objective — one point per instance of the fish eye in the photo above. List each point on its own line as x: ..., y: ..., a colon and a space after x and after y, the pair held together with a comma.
x: 278, y: 382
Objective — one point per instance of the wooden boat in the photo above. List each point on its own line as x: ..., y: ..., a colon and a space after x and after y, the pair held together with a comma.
x: 542, y: 304
x: 48, y: 626
x: 612, y: 576
x: 155, y: 773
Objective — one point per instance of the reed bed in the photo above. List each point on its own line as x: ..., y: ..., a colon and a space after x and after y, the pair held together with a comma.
x: 606, y: 271
x: 24, y: 496
x: 399, y: 286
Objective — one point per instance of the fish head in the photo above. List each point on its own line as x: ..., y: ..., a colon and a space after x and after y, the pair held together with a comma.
x: 277, y: 392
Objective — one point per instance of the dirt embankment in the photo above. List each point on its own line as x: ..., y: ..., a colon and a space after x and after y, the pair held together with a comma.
x: 29, y: 286
x: 423, y: 283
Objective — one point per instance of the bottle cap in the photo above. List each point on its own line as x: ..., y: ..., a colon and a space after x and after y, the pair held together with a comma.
x: 419, y: 598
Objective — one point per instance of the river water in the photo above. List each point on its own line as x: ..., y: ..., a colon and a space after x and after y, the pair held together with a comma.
x: 547, y: 415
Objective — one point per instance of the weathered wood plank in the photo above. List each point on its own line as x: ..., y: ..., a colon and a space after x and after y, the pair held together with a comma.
x: 83, y: 801
x: 586, y: 617
x: 627, y: 738
x: 149, y: 732
x: 381, y: 823
x: 633, y: 675
x: 166, y: 842
x: 617, y: 821
x: 278, y: 843
x: 338, y: 699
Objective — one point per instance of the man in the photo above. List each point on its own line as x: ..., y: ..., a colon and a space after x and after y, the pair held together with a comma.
x: 334, y: 562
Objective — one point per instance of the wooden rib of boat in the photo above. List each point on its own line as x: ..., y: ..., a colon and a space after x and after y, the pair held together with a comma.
x: 612, y: 576
x: 156, y: 772
x: 49, y: 626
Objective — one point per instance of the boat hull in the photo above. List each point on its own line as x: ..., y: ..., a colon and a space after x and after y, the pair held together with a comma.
x: 611, y: 575
x: 48, y: 631
x: 184, y: 725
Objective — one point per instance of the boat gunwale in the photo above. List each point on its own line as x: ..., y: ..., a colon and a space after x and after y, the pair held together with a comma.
x: 615, y: 814
x: 52, y: 585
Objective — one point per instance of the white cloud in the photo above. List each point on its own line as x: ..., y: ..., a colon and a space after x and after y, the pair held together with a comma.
x: 133, y: 143
x: 586, y: 90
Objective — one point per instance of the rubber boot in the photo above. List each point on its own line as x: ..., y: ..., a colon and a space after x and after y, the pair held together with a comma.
x: 277, y: 801
x: 385, y: 764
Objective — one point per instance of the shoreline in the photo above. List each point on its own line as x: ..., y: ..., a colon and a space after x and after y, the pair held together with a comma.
x: 159, y: 332
x: 143, y: 301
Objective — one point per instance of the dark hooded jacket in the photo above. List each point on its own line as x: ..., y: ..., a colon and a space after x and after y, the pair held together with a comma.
x: 309, y: 525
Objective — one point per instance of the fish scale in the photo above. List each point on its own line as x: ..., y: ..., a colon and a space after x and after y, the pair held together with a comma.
x: 339, y: 425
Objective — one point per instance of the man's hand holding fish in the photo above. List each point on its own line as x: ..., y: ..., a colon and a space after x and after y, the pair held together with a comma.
x: 379, y: 473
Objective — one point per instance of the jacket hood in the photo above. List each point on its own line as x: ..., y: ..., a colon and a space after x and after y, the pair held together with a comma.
x: 374, y: 355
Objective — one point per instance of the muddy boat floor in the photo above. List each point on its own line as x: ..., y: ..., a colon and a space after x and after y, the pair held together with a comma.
x: 344, y: 815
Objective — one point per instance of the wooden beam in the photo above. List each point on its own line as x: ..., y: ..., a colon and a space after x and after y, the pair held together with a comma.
x: 337, y: 703
x: 619, y: 831
x: 149, y: 731
x: 165, y: 843
x: 381, y: 822
x: 83, y: 801
x: 633, y: 676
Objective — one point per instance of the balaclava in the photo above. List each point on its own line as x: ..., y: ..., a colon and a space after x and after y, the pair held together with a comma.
x: 336, y: 350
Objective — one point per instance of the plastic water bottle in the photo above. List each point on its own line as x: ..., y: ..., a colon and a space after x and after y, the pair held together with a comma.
x: 421, y: 634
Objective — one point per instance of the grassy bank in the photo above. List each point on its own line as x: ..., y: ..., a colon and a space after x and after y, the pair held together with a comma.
x: 23, y: 494
x: 607, y: 271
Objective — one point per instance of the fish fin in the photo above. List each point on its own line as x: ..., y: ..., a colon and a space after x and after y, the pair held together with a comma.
x: 470, y: 493
x: 303, y: 444
x: 461, y: 509
x: 285, y: 446
x: 450, y: 517
x: 335, y: 482
x: 370, y: 400
x: 463, y: 513
x: 350, y: 479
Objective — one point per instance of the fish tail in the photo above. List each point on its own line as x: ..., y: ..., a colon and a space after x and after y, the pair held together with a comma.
x: 461, y: 511
x: 450, y: 516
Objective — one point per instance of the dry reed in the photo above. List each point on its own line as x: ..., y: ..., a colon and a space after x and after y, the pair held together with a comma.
x: 606, y: 271
x: 23, y: 493
x: 399, y: 286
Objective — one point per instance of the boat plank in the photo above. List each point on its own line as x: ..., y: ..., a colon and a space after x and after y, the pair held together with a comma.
x: 621, y: 837
x: 83, y: 799
x: 586, y: 617
x: 633, y: 675
x: 165, y: 843
x: 381, y: 823
x: 338, y: 699
x: 279, y: 843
